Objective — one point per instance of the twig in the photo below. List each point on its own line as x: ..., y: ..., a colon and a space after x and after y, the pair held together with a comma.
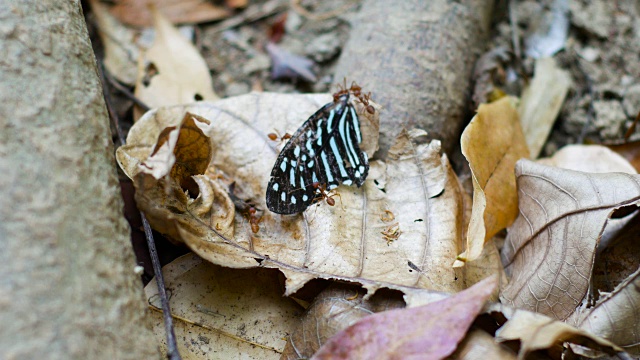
x: 128, y: 94
x: 632, y: 128
x: 172, y: 347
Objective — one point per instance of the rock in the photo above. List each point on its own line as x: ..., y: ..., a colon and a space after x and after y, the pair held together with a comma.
x: 610, y: 118
x: 631, y: 102
x: 323, y: 47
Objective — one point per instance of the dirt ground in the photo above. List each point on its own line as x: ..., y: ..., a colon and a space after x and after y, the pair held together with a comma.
x: 601, y: 53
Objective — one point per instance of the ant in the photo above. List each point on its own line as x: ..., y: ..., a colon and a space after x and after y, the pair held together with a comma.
x: 323, y: 194
x: 355, y: 90
x: 274, y: 136
x: 254, y: 220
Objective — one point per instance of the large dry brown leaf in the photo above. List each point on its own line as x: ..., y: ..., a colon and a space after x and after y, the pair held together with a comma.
x: 550, y: 248
x: 343, y: 242
x: 136, y: 12
x: 537, y: 332
x: 221, y: 313
x: 492, y: 143
x: 172, y: 71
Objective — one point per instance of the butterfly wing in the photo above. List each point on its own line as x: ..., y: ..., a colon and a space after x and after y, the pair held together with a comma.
x: 323, y: 150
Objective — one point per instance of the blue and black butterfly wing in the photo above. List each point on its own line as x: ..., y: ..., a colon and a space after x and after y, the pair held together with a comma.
x: 324, y: 150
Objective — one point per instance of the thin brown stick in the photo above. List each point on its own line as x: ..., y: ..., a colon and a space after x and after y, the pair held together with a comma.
x: 172, y: 346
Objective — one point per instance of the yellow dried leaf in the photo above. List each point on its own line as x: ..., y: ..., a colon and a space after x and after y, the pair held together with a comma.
x: 492, y: 143
x: 541, y: 102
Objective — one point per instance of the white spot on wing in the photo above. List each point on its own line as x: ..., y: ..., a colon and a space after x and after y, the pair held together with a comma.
x: 276, y: 186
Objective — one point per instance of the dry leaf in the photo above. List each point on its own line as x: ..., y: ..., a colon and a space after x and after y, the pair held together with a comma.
x: 537, y: 332
x: 630, y: 151
x: 353, y: 241
x: 593, y: 159
x: 171, y: 176
x: 333, y: 310
x: 172, y: 70
x: 137, y: 13
x: 492, y: 143
x: 120, y: 49
x: 221, y: 313
x: 431, y: 331
x: 589, y: 158
x: 615, y: 316
x: 550, y: 248
x: 479, y: 345
x: 541, y: 102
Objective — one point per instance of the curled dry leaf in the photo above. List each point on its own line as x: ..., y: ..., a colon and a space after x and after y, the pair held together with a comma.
x: 541, y: 102
x: 170, y: 177
x: 551, y: 246
x: 220, y: 313
x: 492, y: 143
x: 538, y: 332
x: 136, y: 13
x: 431, y: 331
x: 172, y: 71
x: 348, y: 241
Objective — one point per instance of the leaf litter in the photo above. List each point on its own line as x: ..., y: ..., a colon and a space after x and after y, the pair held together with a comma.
x: 325, y: 241
x: 314, y: 244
